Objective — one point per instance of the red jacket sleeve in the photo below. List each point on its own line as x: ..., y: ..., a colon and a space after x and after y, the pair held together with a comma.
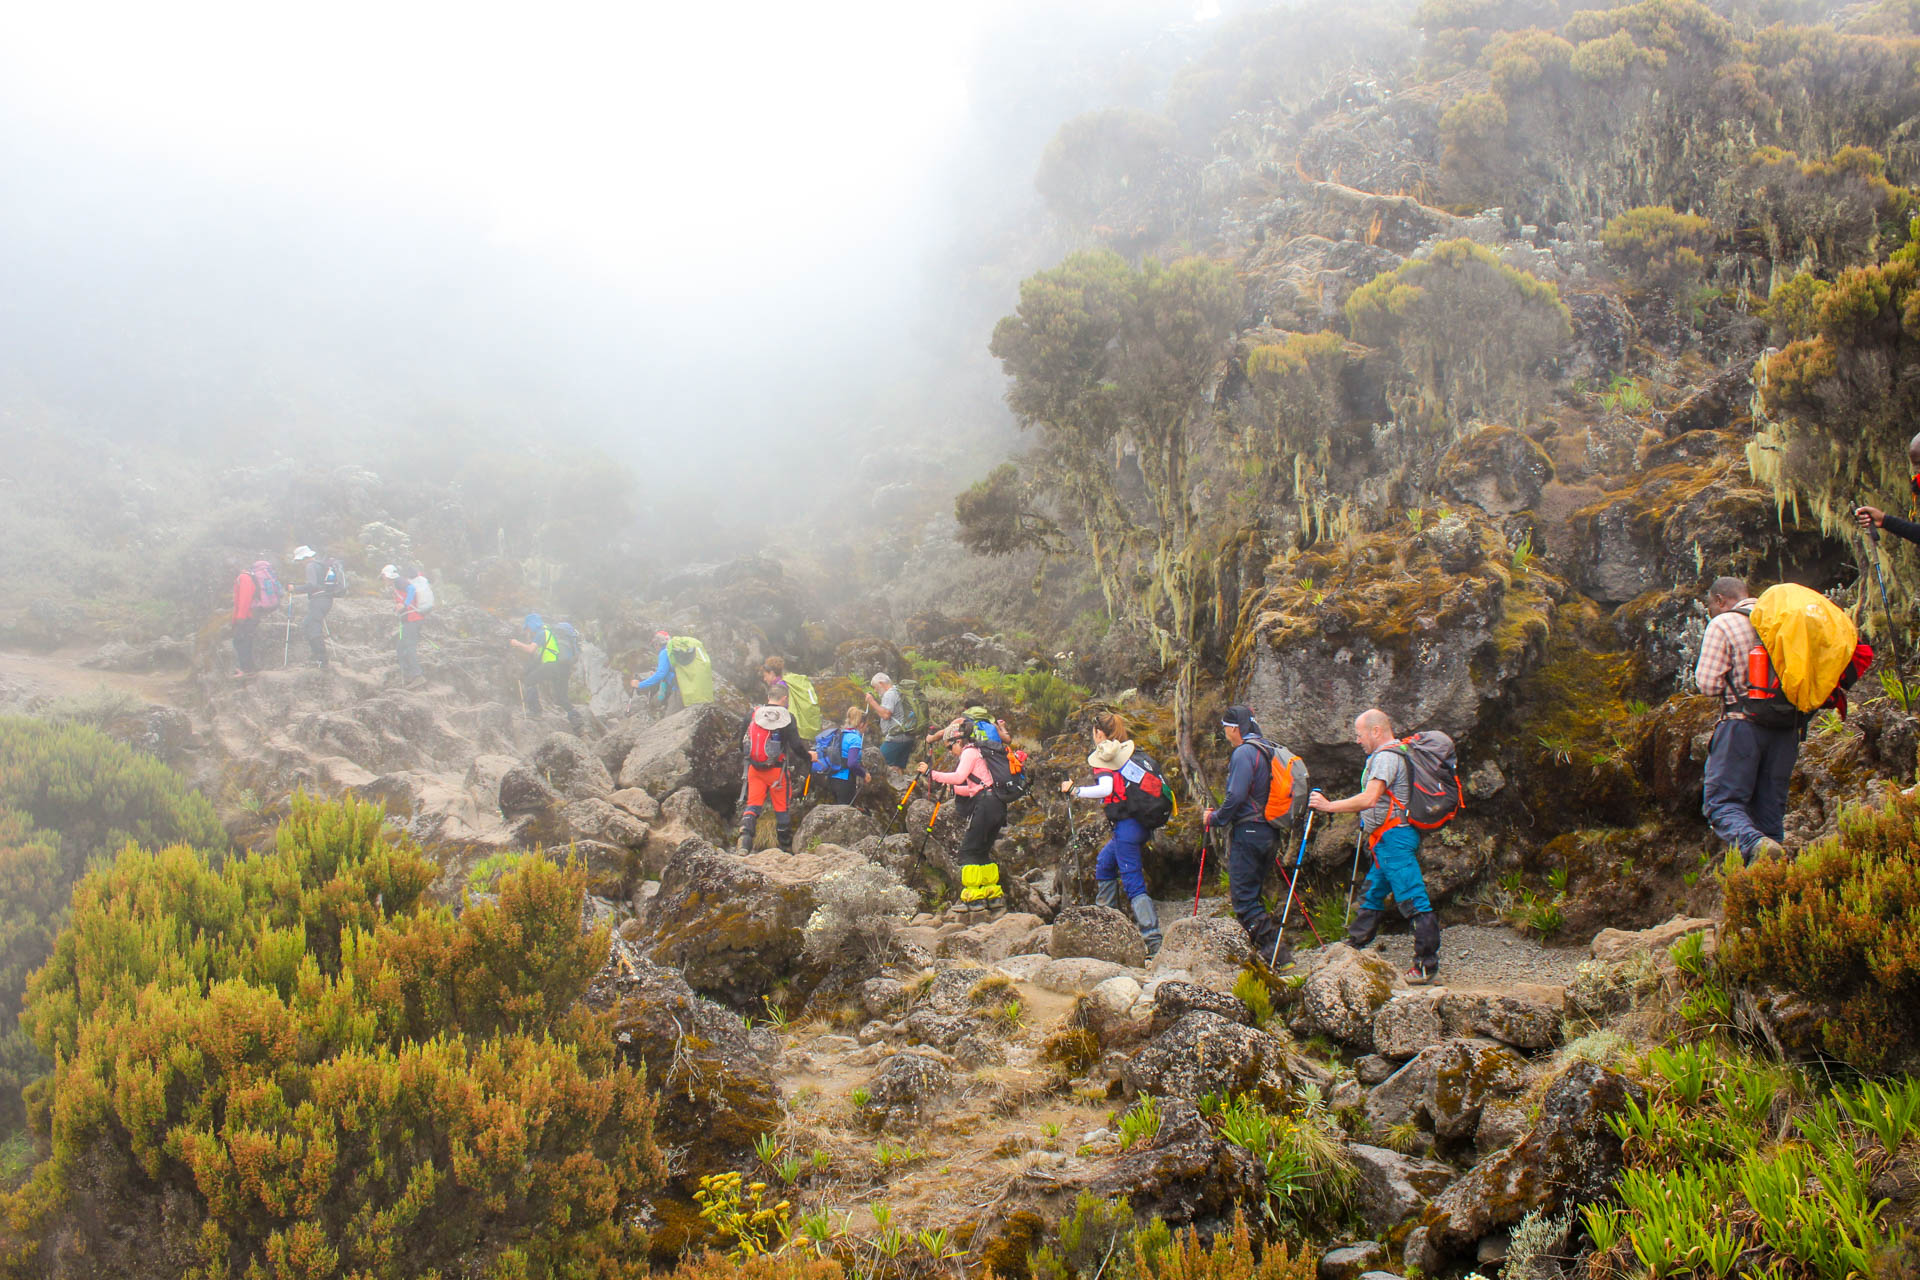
x: 243, y: 593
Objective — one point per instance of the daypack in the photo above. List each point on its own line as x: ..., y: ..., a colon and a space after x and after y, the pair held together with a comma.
x: 1008, y: 767
x: 1286, y: 782
x: 1808, y: 645
x: 1145, y: 796
x: 268, y: 593
x: 1434, y: 794
x: 759, y: 743
x: 422, y: 594
x: 333, y: 577
x: 804, y: 704
x: 912, y: 715
x: 692, y: 672
x: 569, y: 637
x: 827, y: 743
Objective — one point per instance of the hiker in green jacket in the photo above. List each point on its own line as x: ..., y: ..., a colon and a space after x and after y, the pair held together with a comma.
x: 683, y: 677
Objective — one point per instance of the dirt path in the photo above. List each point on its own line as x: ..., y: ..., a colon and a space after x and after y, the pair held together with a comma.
x: 1473, y: 955
x: 59, y: 674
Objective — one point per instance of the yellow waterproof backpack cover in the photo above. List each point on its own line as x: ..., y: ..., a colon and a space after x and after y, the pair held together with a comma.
x: 691, y: 670
x: 1809, y: 640
x: 805, y: 705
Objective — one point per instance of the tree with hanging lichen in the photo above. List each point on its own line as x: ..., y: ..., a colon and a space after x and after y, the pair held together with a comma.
x: 293, y: 1064
x: 1110, y: 364
x: 1468, y: 332
x: 996, y: 517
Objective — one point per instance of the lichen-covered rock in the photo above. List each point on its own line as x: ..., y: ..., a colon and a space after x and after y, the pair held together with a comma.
x: 685, y: 816
x: 883, y: 997
x: 1373, y: 1069
x: 1205, y: 1053
x: 1613, y: 946
x: 636, y: 803
x: 698, y: 747
x: 523, y: 791
x: 734, y: 926
x: 1184, y: 1173
x: 840, y: 824
x: 1496, y: 469
x: 571, y: 768
x: 717, y: 1093
x: 1525, y: 1015
x: 1100, y: 933
x: 991, y: 942
x: 1394, y: 1187
x: 1569, y: 1158
x: 596, y: 819
x: 1074, y: 974
x: 907, y: 1089
x: 1351, y: 1261
x: 1174, y: 1000
x: 1445, y: 1087
x: 1210, y: 950
x: 1341, y: 996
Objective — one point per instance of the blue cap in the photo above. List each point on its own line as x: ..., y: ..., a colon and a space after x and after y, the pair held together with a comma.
x: 533, y: 622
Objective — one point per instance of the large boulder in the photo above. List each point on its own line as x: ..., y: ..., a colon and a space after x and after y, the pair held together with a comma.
x: 698, y: 747
x: 1205, y: 1053
x: 1174, y: 1000
x: 570, y: 767
x: 1526, y: 1016
x: 1342, y: 994
x: 1570, y: 1158
x: 1210, y: 950
x: 1394, y: 1187
x: 684, y: 816
x: 734, y: 926
x: 1097, y: 932
x: 908, y: 1089
x: 840, y: 824
x: 719, y: 1095
x: 1444, y: 1088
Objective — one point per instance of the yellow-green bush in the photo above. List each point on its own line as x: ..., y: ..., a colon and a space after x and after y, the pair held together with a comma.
x: 1840, y: 924
x: 1659, y: 247
x: 69, y: 794
x: 317, y: 1064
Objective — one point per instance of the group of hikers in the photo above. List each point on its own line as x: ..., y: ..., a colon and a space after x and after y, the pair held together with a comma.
x: 1773, y: 660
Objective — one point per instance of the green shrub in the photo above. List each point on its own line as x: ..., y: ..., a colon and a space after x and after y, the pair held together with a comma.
x: 1841, y: 925
x: 69, y: 795
x: 1658, y: 247
x: 303, y: 1059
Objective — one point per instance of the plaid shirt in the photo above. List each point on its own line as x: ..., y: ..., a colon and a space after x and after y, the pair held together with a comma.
x: 1722, y: 668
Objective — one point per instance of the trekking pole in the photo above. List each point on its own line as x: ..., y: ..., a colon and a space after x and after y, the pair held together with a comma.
x: 1893, y: 638
x: 1073, y: 850
x: 1353, y: 876
x: 286, y: 644
x: 1202, y: 877
x: 926, y: 839
x: 1287, y: 910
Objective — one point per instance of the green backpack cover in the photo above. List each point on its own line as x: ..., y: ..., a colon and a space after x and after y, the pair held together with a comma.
x: 805, y: 706
x: 691, y: 670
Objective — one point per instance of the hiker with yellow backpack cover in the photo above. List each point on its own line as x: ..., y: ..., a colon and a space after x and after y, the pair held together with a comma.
x: 1774, y: 660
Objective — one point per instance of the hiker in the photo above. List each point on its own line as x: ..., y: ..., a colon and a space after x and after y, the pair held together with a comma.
x: 1250, y: 838
x: 836, y: 753
x: 326, y: 581
x: 548, y: 669
x: 1386, y: 789
x: 408, y: 600
x: 1748, y: 765
x: 683, y: 677
x: 768, y: 740
x: 773, y: 672
x: 1124, y: 783
x: 896, y: 721
x: 255, y: 592
x: 978, y: 743
x: 1875, y: 518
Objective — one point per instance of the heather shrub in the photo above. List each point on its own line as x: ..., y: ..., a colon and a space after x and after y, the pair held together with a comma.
x: 317, y: 1072
x: 1658, y: 247
x: 1840, y: 924
x: 69, y: 794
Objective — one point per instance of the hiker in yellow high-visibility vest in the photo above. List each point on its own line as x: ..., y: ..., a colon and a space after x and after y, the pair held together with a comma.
x: 550, y: 669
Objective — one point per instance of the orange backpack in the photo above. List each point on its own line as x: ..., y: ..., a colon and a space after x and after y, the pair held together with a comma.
x: 1286, y: 781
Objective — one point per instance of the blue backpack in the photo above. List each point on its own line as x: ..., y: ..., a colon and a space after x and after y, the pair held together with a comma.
x: 832, y: 757
x: 569, y: 638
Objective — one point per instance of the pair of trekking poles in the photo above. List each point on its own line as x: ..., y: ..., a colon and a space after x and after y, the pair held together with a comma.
x: 1293, y: 884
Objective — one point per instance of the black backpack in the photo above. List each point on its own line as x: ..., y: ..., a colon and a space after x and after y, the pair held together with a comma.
x: 1149, y: 800
x: 1011, y: 779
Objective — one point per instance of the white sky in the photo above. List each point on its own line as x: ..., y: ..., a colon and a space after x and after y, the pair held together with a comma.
x: 664, y: 143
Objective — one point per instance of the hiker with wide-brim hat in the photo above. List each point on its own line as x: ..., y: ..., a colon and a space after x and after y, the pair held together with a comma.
x: 769, y: 740
x: 1123, y: 777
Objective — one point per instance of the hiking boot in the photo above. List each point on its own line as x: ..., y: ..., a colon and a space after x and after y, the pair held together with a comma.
x: 1420, y: 975
x: 1768, y: 847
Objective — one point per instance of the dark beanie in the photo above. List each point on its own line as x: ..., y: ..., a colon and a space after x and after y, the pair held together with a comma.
x: 1240, y: 717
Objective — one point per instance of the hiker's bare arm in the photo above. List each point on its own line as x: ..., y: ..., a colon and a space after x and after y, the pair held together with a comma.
x: 1369, y: 796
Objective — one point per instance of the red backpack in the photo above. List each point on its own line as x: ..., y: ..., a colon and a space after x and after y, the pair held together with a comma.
x: 1434, y: 794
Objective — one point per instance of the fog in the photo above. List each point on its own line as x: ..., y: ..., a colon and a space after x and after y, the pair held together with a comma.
x: 685, y: 235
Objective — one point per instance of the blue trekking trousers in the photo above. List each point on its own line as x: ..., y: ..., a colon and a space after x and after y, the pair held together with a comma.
x: 1396, y: 867
x: 1748, y: 769
x: 1120, y: 858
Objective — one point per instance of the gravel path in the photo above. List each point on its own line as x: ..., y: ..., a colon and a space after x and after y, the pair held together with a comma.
x: 1473, y: 955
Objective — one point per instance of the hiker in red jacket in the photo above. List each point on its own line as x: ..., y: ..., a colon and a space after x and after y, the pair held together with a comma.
x: 255, y: 592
